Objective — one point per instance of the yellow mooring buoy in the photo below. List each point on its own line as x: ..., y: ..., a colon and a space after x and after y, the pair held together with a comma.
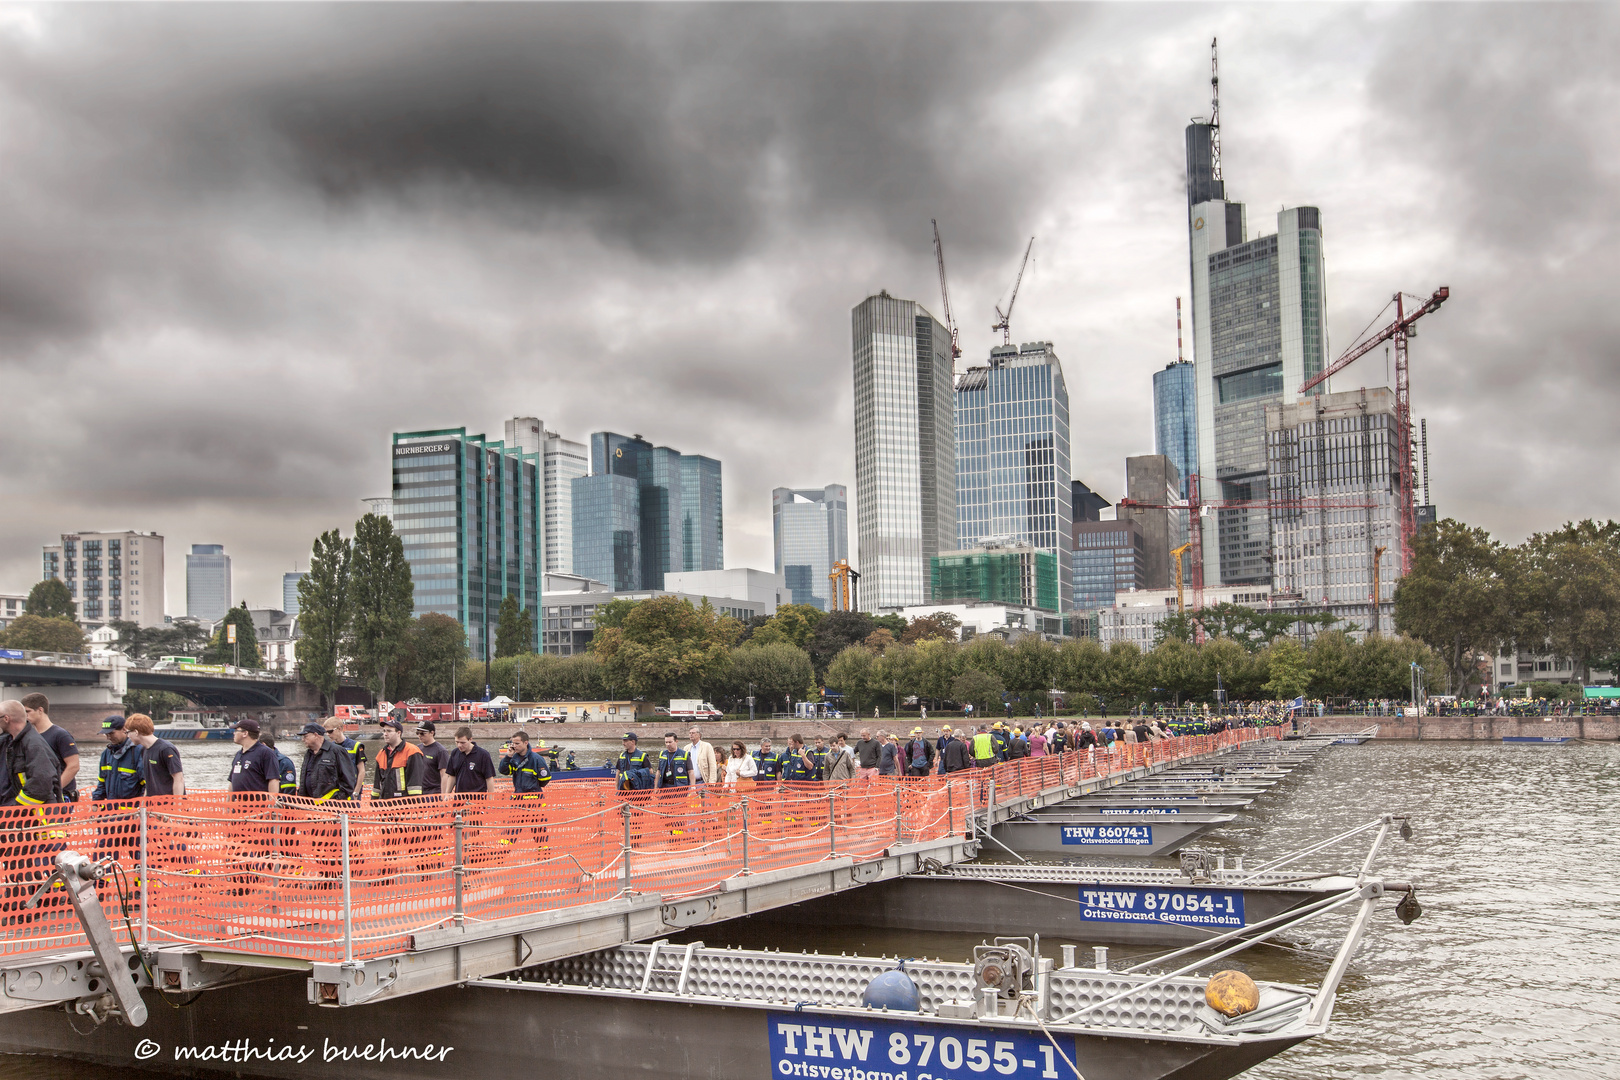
x: 1232, y: 993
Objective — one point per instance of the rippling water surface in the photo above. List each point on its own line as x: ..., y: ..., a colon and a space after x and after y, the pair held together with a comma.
x: 1511, y: 972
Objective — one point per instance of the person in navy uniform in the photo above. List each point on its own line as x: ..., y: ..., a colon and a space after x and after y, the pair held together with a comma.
x: 767, y: 761
x: 633, y: 767
x: 119, y: 775
x: 529, y: 772
x: 284, y: 764
x: 254, y: 768
x: 800, y: 765
x: 674, y: 765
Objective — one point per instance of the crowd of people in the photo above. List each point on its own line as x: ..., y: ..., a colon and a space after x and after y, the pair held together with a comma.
x: 884, y: 753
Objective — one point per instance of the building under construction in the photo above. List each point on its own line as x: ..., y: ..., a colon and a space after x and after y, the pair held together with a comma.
x: 1333, y: 467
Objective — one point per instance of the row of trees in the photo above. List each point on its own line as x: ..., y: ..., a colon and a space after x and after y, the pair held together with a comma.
x: 354, y: 608
x: 1469, y: 595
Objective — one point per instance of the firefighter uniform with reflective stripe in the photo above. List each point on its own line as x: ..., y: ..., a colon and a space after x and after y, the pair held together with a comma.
x: 33, y: 776
x: 529, y: 772
x: 289, y: 773
x: 120, y: 775
x: 999, y: 742
x: 328, y: 772
x: 399, y: 772
x: 674, y: 769
x: 634, y: 769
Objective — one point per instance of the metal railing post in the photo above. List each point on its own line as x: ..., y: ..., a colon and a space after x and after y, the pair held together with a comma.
x: 624, y: 850
x: 348, y: 909
x: 832, y: 828
x: 990, y: 804
x: 745, y: 834
x: 899, y: 827
x: 145, y: 873
x: 458, y: 870
x: 950, y: 808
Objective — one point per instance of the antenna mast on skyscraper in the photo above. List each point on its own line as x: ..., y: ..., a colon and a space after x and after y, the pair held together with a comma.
x: 1178, y: 330
x: 1214, y: 111
x: 945, y: 293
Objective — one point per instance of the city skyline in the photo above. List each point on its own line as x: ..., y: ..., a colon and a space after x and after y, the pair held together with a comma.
x: 264, y: 394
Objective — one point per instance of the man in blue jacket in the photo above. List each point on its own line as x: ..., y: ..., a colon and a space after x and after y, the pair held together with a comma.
x: 119, y: 775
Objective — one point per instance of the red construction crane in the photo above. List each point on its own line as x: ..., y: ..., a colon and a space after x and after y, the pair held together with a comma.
x: 1404, y: 327
x: 1004, y: 318
x: 945, y: 293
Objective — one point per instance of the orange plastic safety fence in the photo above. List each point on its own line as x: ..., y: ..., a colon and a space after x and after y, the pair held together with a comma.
x: 238, y: 872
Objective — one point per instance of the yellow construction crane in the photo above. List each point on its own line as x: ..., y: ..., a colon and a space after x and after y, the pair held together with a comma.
x: 1378, y: 556
x: 844, y: 582
x: 1176, y: 554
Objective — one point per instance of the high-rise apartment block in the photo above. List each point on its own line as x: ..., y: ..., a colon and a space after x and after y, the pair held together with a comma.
x: 208, y: 582
x: 905, y: 448
x: 1152, y: 479
x: 1175, y: 418
x: 468, y: 510
x: 1012, y: 455
x: 111, y: 575
x: 561, y: 461
x: 1341, y: 448
x: 811, y: 531
x: 289, y: 592
x: 645, y: 511
x: 1259, y: 331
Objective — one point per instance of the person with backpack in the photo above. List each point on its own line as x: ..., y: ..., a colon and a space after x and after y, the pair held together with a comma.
x: 919, y: 754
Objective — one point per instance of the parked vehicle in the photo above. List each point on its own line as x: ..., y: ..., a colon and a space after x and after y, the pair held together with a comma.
x: 691, y: 709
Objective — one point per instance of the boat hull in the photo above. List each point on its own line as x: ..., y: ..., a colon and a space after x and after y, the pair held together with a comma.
x: 1072, y: 834
x: 555, y: 1034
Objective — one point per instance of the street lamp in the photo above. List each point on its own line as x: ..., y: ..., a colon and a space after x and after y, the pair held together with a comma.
x: 750, y: 703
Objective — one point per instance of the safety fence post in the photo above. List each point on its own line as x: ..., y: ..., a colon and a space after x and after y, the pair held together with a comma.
x: 145, y: 925
x: 624, y: 851
x: 972, y: 814
x: 899, y: 827
x: 458, y: 870
x: 990, y: 804
x: 745, y: 834
x: 832, y: 828
x: 348, y: 908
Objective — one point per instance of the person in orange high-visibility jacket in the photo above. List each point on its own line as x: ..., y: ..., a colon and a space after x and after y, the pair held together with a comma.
x: 400, y: 765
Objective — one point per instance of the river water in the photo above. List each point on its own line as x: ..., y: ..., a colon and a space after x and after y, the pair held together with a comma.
x: 1512, y: 971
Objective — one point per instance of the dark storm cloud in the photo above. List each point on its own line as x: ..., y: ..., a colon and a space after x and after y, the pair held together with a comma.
x: 239, y: 245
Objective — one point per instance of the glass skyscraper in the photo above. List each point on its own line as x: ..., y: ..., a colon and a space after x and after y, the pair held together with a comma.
x: 1012, y: 455
x: 289, y: 592
x: 1259, y: 331
x: 811, y: 531
x: 1108, y: 560
x: 468, y: 511
x: 905, y: 448
x: 645, y: 511
x: 208, y: 582
x: 1175, y: 418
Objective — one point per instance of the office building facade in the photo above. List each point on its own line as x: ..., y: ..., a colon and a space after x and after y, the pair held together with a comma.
x: 1259, y: 331
x: 468, y: 511
x: 810, y: 530
x: 645, y: 511
x: 561, y: 462
x: 208, y: 582
x: 1323, y: 451
x: 1108, y: 561
x: 1175, y: 418
x: 111, y: 575
x: 905, y: 448
x: 289, y: 592
x: 1152, y: 479
x: 1012, y: 455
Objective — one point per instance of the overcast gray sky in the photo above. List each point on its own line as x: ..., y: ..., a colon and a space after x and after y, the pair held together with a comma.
x: 241, y: 245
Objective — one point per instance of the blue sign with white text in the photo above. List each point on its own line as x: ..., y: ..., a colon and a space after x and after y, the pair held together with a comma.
x: 1213, y: 908
x: 857, y: 1048
x: 1108, y: 835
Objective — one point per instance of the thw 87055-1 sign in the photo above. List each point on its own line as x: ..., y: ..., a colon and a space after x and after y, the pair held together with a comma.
x: 835, y: 1048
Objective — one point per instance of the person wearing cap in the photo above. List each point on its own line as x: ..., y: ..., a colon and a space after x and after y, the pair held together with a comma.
x: 999, y: 741
x: 254, y: 766
x: 919, y: 754
x: 352, y: 747
x: 328, y: 769
x: 633, y: 768
x: 529, y: 772
x: 399, y: 769
x: 119, y: 774
x: 435, y: 758
x: 284, y: 766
